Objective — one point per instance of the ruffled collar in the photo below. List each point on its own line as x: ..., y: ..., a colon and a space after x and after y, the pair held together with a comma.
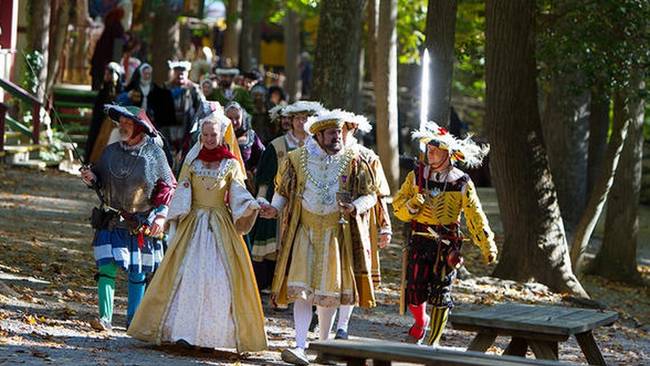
x: 295, y: 142
x: 450, y: 176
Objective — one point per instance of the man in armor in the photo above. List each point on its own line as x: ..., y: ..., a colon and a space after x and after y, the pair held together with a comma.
x: 136, y: 184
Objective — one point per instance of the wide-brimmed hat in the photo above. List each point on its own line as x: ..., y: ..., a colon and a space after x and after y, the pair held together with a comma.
x: 358, y: 120
x: 137, y: 115
x: 303, y: 106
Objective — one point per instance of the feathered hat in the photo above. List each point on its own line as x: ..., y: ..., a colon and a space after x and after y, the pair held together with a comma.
x: 465, y: 151
x: 359, y: 120
x: 303, y: 106
x: 276, y: 112
x: 325, y: 120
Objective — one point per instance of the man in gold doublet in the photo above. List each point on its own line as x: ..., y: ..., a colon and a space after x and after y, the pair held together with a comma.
x: 328, y: 190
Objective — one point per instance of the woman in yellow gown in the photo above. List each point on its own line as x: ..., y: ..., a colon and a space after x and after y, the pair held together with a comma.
x: 204, y: 293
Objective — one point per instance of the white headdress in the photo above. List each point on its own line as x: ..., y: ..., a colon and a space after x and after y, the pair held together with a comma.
x: 465, y: 150
x: 303, y: 106
x: 186, y: 65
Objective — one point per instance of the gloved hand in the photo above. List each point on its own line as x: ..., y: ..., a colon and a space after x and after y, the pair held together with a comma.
x: 415, y: 202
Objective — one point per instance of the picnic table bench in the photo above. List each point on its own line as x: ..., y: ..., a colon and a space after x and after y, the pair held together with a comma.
x: 356, y: 351
x: 535, y: 326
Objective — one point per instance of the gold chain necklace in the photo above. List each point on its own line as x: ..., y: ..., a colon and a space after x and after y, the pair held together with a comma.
x: 324, y: 188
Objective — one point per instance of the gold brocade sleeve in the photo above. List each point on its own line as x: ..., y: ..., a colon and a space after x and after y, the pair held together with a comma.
x: 285, y: 179
x: 365, y: 180
x: 406, y: 191
x: 477, y: 222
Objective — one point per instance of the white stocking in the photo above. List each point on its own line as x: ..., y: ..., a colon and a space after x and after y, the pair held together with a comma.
x: 325, y: 320
x: 345, y: 312
x: 301, y: 318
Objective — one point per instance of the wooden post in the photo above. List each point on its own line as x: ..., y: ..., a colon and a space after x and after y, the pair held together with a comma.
x: 36, y: 123
x: 3, y: 112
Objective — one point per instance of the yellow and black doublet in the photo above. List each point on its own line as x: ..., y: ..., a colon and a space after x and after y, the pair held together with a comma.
x: 435, y: 230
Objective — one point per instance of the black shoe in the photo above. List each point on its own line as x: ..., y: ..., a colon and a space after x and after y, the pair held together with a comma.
x: 185, y: 344
x: 341, y: 334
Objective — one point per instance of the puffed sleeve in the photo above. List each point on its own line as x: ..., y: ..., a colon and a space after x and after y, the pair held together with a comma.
x: 243, y: 206
x: 477, y: 222
x: 406, y: 191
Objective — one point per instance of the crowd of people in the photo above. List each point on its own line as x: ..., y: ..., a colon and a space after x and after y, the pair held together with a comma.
x: 216, y: 196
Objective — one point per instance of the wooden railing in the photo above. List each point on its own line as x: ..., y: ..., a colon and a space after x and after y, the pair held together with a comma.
x: 20, y: 93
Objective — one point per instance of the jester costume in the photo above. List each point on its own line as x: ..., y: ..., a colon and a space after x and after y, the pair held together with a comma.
x: 137, y: 185
x: 432, y: 201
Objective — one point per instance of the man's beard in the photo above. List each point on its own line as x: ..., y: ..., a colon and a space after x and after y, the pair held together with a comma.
x: 334, y: 146
x: 225, y: 84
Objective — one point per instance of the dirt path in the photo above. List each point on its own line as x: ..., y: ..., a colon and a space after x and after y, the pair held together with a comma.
x: 47, y: 292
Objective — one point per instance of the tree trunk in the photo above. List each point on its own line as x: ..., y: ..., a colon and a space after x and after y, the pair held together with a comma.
x: 338, y: 49
x: 164, y: 42
x: 292, y: 55
x: 59, y: 35
x: 256, y: 47
x: 601, y: 189
x: 440, y: 32
x: 598, y: 128
x: 40, y: 38
x: 357, y: 105
x: 386, y: 92
x: 566, y: 128
x: 617, y: 257
x: 77, y: 66
x: 246, y: 38
x: 372, y: 14
x: 535, y: 245
x: 233, y: 30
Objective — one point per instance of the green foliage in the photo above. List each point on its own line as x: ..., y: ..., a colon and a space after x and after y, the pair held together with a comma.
x: 602, y: 41
x: 33, y: 66
x: 277, y: 9
x: 411, y: 23
x: 54, y: 152
x: 469, y: 70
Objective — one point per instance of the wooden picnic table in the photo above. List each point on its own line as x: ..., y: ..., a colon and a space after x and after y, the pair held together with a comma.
x: 355, y: 352
x: 535, y: 326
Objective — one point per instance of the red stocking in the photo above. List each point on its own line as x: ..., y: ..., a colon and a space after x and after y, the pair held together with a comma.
x: 419, y: 315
